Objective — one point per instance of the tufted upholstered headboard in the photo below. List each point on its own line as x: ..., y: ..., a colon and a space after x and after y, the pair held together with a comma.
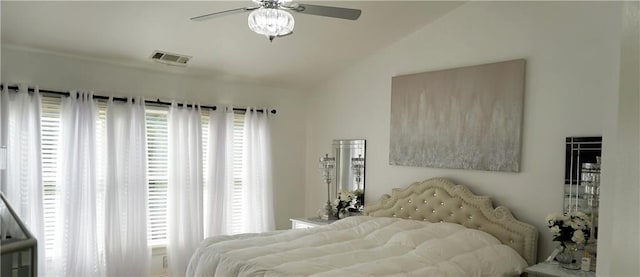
x: 440, y: 200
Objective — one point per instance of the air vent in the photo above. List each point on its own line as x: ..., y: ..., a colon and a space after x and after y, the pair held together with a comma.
x: 170, y: 58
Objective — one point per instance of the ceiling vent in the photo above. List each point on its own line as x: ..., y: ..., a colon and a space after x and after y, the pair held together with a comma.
x: 170, y: 58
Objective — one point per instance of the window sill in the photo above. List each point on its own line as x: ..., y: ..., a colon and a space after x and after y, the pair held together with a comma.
x: 158, y: 250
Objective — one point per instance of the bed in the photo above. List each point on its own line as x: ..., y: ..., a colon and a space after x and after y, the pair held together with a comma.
x: 430, y: 228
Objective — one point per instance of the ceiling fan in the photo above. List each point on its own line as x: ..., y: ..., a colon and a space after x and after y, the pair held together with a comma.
x: 272, y: 18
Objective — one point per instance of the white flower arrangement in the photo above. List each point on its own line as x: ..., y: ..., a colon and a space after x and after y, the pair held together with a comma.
x: 348, y: 201
x: 573, y: 226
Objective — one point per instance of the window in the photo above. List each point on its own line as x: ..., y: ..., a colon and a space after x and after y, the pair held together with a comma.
x: 157, y: 167
x: 50, y: 145
x: 236, y: 195
x: 157, y: 173
x: 50, y: 141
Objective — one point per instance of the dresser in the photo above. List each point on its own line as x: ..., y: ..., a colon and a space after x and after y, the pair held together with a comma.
x: 303, y: 222
x: 554, y: 270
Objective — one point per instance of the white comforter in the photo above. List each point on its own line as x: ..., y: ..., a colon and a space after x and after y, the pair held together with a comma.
x: 359, y: 246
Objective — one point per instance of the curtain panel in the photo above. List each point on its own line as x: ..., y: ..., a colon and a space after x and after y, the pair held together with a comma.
x: 185, y: 208
x: 77, y: 227
x: 126, y: 251
x: 258, y: 196
x: 219, y: 185
x: 22, y: 179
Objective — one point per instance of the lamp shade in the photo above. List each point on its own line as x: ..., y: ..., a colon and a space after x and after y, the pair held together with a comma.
x: 271, y: 22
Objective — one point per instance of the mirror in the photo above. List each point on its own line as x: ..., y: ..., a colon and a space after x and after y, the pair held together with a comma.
x: 582, y: 177
x: 350, y: 167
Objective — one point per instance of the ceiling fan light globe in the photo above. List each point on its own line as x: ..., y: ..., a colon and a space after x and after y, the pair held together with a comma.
x: 271, y: 22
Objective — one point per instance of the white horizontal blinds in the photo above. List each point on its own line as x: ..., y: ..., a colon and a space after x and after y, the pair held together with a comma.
x: 101, y: 170
x: 50, y: 143
x: 237, y: 215
x: 157, y: 173
x: 204, y: 119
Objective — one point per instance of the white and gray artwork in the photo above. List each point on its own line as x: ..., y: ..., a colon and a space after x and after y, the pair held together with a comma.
x: 465, y: 118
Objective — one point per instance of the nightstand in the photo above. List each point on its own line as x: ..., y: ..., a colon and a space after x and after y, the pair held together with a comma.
x: 300, y: 223
x: 554, y: 270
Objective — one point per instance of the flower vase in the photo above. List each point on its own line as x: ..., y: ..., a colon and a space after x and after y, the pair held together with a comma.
x: 569, y: 257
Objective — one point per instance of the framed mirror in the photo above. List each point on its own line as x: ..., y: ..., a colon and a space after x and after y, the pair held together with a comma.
x: 582, y: 177
x: 350, y: 167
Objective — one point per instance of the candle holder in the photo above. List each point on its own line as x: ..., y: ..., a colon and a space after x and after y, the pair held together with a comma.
x: 327, y: 166
x: 357, y: 165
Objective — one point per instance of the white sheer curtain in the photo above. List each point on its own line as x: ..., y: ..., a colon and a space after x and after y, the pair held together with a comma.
x: 126, y: 251
x: 4, y: 127
x: 23, y: 183
x: 77, y: 229
x: 220, y: 174
x: 258, y: 195
x: 185, y: 222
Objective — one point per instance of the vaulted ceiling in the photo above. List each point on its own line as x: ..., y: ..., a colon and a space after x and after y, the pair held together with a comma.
x: 223, y: 47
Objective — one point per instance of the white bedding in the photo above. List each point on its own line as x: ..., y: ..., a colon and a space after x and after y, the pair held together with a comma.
x: 359, y: 246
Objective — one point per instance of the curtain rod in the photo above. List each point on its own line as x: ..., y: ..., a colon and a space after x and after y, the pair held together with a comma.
x: 124, y: 99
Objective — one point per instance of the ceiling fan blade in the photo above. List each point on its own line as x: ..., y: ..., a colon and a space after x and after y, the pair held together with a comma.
x: 344, y: 13
x: 222, y: 13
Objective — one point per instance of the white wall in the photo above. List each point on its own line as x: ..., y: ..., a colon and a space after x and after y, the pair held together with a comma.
x: 572, y: 52
x: 620, y: 255
x: 56, y: 72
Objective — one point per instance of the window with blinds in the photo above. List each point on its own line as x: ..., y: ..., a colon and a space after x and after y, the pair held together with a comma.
x: 157, y: 173
x: 157, y: 170
x: 50, y: 129
x: 236, y: 195
x: 157, y: 166
x: 101, y: 169
x: 50, y: 143
x: 235, y: 221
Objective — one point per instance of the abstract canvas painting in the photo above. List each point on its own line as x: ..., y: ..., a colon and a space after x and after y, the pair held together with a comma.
x: 464, y: 118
